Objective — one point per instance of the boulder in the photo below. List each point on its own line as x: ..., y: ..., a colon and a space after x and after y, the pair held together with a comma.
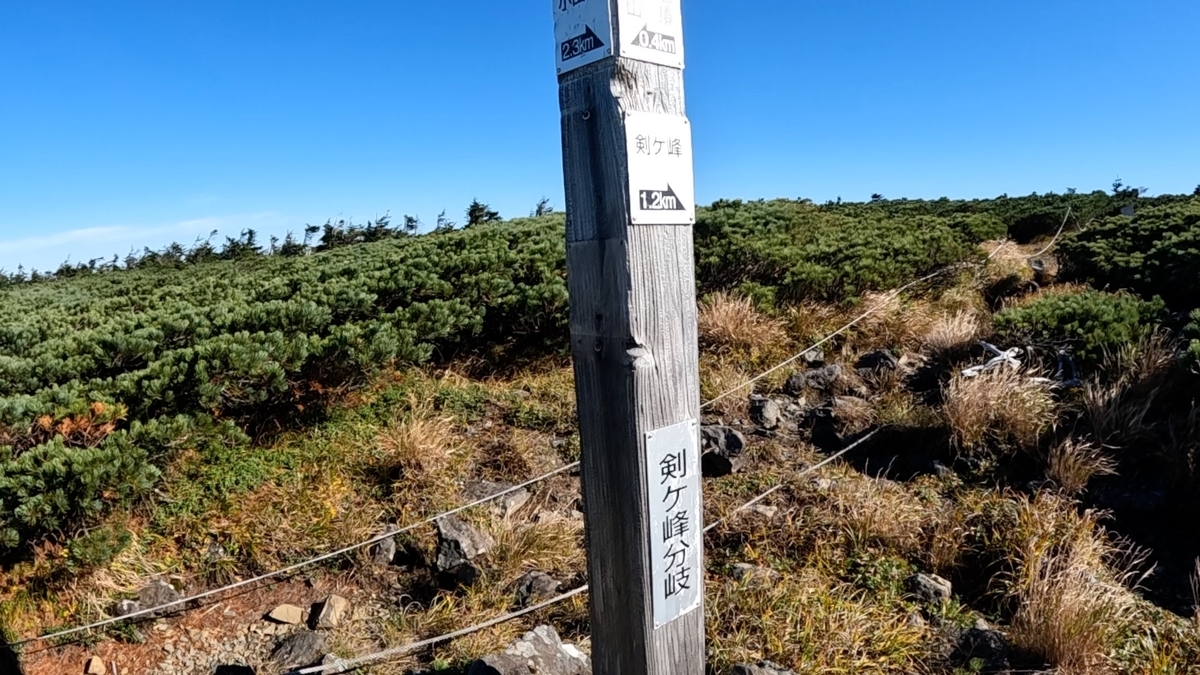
x: 545, y: 654
x: 748, y: 572
x: 504, y: 506
x: 824, y: 430
x: 126, y: 607
x: 722, y: 449
x: 158, y: 593
x: 287, y: 614
x: 818, y: 379
x: 878, y: 360
x: 383, y: 552
x: 535, y: 587
x: 930, y: 588
x: 459, y: 543
x: 332, y: 611
x: 985, y: 646
x: 765, y: 412
x: 300, y: 649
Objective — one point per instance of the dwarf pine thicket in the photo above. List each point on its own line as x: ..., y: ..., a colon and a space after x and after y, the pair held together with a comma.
x: 105, y: 374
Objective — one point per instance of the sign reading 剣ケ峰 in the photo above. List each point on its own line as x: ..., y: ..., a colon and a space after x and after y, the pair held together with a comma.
x: 661, y: 181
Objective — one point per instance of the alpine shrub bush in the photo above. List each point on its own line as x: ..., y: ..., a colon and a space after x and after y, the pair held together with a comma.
x: 803, y: 251
x: 1088, y: 323
x: 1154, y: 253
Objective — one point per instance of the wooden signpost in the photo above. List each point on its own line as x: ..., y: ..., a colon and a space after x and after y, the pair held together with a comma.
x: 627, y: 163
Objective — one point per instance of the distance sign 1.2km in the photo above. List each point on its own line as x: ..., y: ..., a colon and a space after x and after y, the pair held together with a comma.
x: 661, y: 179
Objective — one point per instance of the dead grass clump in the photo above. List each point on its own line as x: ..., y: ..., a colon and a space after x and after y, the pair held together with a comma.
x: 731, y: 324
x: 1116, y: 414
x: 1002, y: 405
x: 811, y: 623
x: 1071, y: 586
x: 876, y: 511
x: 420, y: 457
x: 950, y: 333
x: 893, y: 320
x: 1006, y: 260
x: 718, y: 376
x: 1072, y: 464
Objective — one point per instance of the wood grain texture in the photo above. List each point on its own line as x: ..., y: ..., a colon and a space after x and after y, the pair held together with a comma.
x: 633, y: 338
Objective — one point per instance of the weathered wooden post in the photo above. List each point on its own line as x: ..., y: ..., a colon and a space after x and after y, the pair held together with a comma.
x: 627, y: 163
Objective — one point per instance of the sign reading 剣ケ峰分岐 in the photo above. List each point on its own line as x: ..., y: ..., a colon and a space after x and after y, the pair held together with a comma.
x: 661, y: 181
x: 650, y: 30
x: 676, y: 544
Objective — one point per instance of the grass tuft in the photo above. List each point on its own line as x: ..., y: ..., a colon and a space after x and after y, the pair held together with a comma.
x: 999, y: 406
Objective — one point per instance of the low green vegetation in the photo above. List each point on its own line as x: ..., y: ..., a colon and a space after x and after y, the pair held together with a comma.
x: 1088, y: 323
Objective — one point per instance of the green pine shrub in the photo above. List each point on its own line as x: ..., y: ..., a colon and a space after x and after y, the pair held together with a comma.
x: 802, y: 251
x: 1154, y: 253
x: 1089, y: 323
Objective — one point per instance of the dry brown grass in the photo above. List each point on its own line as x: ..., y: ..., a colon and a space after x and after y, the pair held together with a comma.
x: 811, y: 623
x: 1072, y: 464
x: 730, y: 323
x: 1071, y: 587
x: 894, y: 320
x: 1002, y: 406
x: 950, y: 333
x: 1116, y: 414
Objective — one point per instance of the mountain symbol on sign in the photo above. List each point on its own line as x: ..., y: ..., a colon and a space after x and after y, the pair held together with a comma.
x: 661, y: 200
x: 581, y: 44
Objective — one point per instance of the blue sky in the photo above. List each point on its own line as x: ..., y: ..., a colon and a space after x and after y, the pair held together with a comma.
x: 137, y: 123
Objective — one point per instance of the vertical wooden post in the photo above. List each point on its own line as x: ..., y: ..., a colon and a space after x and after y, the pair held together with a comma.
x: 627, y: 165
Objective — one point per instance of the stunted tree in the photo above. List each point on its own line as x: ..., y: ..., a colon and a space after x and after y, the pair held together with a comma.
x: 543, y: 208
x: 479, y: 213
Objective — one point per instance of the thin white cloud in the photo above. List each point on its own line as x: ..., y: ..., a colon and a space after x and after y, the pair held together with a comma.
x: 47, y: 252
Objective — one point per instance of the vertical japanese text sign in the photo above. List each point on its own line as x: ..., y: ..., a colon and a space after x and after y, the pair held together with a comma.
x: 673, y: 482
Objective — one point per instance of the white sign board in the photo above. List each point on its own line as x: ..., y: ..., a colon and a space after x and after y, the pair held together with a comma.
x: 661, y: 182
x: 652, y: 30
x: 582, y: 32
x: 676, y: 531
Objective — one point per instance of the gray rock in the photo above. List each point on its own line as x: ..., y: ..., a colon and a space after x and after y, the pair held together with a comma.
x: 504, y: 506
x: 878, y: 360
x: 723, y: 448
x: 761, y: 668
x: 930, y: 588
x: 158, y: 593
x: 768, y: 512
x: 748, y: 572
x: 765, y: 412
x: 333, y: 610
x: 498, y: 664
x: 813, y: 357
x: 287, y: 614
x: 300, y: 649
x: 983, y: 646
x: 126, y: 607
x: 459, y: 543
x: 545, y: 654
x: 384, y: 551
x: 819, y: 379
x: 535, y: 587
